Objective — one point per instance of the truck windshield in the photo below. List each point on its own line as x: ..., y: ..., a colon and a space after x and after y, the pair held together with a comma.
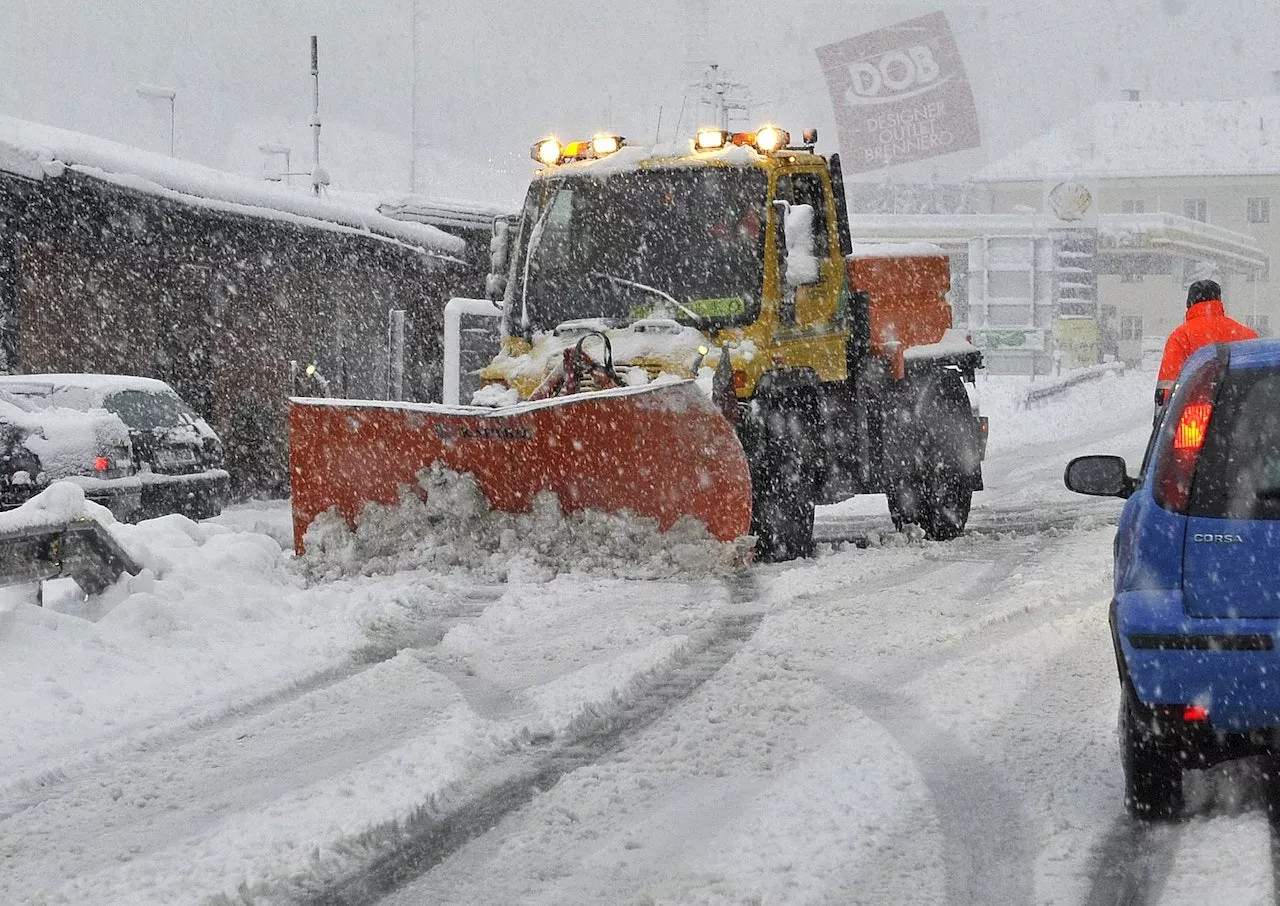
x: 681, y: 243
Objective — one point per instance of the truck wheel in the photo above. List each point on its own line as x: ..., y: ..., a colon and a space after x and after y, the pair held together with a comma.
x: 930, y: 440
x: 947, y: 498
x: 904, y: 502
x: 1152, y: 772
x: 782, y: 484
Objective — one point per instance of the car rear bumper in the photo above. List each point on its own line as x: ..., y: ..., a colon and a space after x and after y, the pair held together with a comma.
x: 1231, y: 667
x: 122, y: 496
x: 197, y: 495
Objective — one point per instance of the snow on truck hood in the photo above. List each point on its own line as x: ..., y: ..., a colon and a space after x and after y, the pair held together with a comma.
x: 646, y: 340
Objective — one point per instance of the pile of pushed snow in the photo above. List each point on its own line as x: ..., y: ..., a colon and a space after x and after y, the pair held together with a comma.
x: 61, y: 502
x: 451, y: 526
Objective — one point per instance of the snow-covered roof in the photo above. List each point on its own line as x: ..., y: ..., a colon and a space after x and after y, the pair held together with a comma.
x: 100, y: 385
x: 1136, y: 139
x: 37, y: 151
x: 441, y: 212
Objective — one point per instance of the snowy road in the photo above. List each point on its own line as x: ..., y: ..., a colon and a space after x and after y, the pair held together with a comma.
x: 891, y: 722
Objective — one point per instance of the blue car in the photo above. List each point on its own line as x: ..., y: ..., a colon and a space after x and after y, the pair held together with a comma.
x: 1195, y: 617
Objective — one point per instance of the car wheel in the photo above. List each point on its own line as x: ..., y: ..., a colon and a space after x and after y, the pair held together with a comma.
x: 1152, y: 771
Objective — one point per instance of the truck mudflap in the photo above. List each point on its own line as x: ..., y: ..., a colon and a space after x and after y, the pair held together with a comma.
x: 662, y: 451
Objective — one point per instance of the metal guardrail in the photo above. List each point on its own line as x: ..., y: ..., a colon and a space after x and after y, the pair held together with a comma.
x: 1056, y: 386
x: 81, y: 549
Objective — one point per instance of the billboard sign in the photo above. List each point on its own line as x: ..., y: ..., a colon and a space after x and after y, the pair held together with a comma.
x: 900, y: 94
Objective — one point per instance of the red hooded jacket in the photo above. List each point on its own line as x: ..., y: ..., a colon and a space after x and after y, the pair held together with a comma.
x: 1206, y: 323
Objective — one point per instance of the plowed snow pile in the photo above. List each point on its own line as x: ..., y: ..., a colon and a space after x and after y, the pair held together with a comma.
x: 450, y: 525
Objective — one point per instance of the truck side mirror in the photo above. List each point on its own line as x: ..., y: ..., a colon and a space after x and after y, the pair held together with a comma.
x: 495, y: 284
x: 802, y: 259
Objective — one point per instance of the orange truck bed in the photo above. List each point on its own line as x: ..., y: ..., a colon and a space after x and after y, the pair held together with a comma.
x: 908, y: 287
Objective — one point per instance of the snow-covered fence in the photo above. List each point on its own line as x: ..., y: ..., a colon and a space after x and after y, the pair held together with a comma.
x: 1051, y: 388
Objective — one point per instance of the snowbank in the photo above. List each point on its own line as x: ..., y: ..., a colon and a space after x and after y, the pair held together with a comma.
x: 454, y: 528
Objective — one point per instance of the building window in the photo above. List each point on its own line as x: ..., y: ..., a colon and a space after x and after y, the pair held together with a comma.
x: 1130, y: 277
x: 1130, y: 328
x: 1196, y: 209
x: 1262, y: 276
x: 1260, y: 210
x: 1260, y: 323
x: 1133, y: 206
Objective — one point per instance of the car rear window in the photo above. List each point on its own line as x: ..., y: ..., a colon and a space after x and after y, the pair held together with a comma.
x: 1238, y: 475
x: 146, y: 411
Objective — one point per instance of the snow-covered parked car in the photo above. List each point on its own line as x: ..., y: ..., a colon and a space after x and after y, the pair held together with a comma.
x: 90, y: 448
x: 178, y: 455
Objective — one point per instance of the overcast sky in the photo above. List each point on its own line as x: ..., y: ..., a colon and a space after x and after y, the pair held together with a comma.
x: 493, y: 75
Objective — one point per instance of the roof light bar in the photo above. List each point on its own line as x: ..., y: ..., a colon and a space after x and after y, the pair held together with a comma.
x: 548, y: 151
x: 711, y: 139
x: 603, y: 145
x: 771, y: 138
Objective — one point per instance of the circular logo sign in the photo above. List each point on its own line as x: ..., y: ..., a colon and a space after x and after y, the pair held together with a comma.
x: 1070, y: 200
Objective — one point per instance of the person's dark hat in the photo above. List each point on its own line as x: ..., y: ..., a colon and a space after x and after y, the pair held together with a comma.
x: 1203, y: 291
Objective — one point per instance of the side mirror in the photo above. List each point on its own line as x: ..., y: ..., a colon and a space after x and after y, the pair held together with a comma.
x: 1099, y: 476
x: 802, y: 261
x: 499, y: 255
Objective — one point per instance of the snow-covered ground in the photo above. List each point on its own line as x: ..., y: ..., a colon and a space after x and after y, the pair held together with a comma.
x: 570, y: 721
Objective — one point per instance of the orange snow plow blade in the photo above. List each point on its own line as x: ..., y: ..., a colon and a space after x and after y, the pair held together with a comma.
x: 661, y: 451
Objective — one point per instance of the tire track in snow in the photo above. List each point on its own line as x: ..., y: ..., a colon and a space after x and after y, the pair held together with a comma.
x: 1133, y: 863
x: 986, y: 833
x: 1017, y: 522
x: 400, y: 852
x: 22, y: 794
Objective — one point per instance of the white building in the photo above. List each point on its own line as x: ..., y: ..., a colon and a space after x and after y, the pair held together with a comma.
x: 1205, y: 170
x: 1159, y: 193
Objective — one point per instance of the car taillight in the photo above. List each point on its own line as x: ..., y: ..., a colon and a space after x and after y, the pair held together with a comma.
x: 101, y: 464
x: 1192, y: 426
x: 1183, y: 434
x: 1195, y: 714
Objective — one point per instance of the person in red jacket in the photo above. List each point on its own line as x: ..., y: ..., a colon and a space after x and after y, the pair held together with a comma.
x: 1206, y: 323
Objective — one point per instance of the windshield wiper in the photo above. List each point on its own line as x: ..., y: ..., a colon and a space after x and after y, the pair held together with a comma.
x: 662, y: 294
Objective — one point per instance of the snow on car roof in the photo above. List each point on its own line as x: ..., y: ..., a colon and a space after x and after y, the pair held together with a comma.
x: 1150, y: 138
x: 37, y: 151
x: 99, y: 386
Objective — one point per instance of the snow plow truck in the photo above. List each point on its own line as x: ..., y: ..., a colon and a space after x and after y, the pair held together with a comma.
x: 687, y: 330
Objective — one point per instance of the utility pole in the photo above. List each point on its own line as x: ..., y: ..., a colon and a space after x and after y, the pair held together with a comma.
x: 413, y: 97
x: 723, y: 96
x: 318, y: 176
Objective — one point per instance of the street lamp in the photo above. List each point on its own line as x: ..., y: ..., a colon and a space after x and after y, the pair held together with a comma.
x: 164, y: 94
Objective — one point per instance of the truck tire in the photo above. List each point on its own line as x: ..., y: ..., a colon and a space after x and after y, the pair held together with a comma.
x: 1152, y: 772
x: 931, y: 441
x: 946, y: 499
x: 783, y: 487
